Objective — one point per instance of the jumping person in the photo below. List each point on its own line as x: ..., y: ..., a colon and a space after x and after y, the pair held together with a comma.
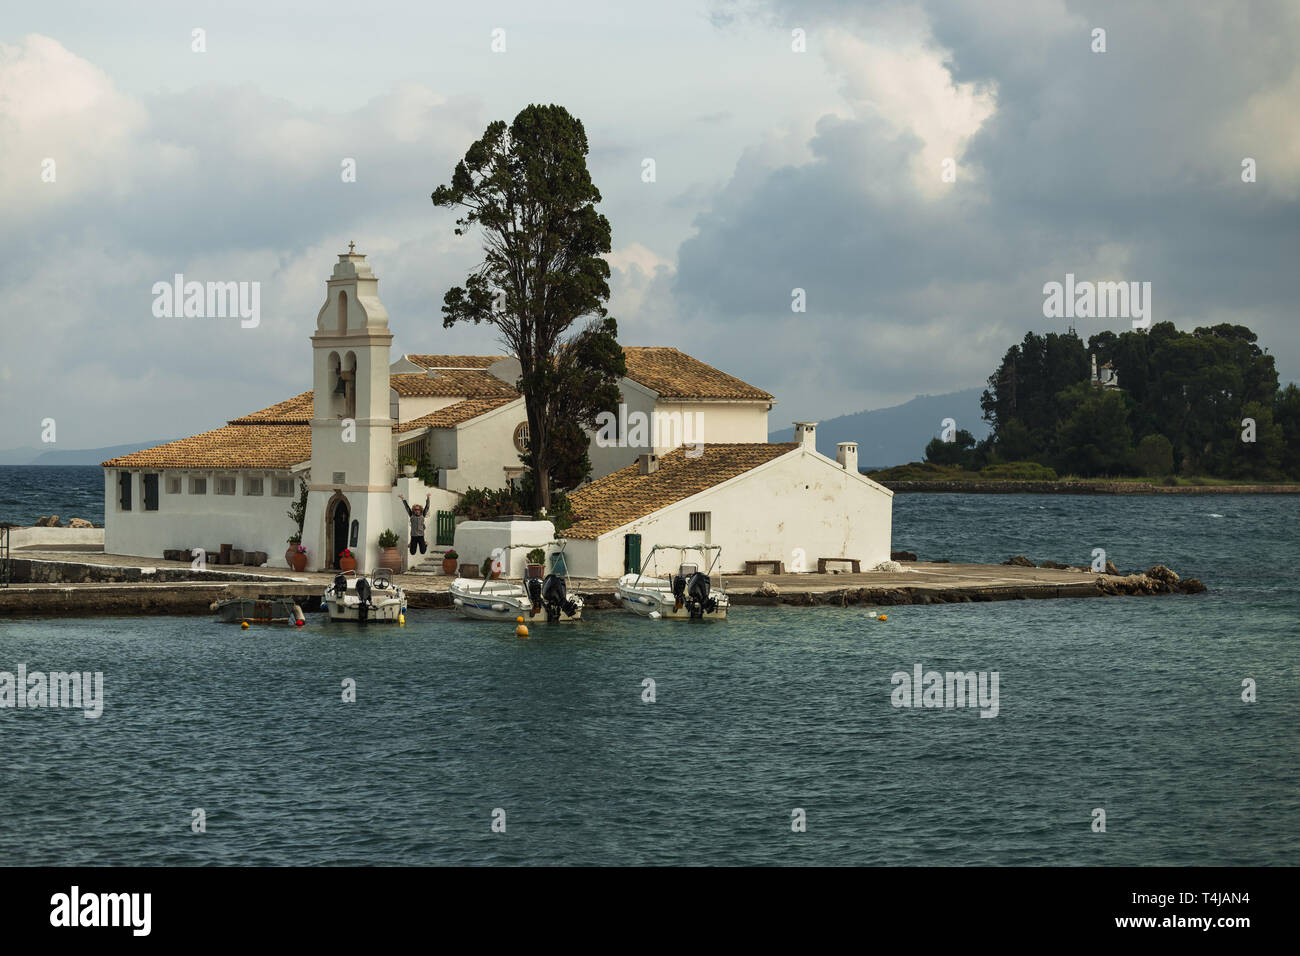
x: 417, y: 523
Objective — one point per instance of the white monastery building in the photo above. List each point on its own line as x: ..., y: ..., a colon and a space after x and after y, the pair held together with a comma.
x: 684, y: 460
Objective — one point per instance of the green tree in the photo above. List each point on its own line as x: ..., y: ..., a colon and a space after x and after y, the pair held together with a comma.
x: 955, y: 452
x: 1154, y: 456
x: 1094, y: 438
x: 1286, y: 413
x: 528, y: 188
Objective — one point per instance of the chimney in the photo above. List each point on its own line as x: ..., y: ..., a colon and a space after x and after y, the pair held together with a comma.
x: 805, y: 433
x: 647, y: 464
x: 846, y: 453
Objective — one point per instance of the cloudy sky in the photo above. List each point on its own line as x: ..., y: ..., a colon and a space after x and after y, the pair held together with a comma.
x: 776, y: 169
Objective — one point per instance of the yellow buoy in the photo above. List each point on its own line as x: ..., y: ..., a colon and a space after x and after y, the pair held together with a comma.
x: 882, y: 618
x: 521, y: 631
x: 244, y: 625
x: 519, y: 620
x: 401, y: 620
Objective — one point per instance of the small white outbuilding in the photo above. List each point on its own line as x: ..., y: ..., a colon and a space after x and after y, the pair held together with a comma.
x: 768, y: 502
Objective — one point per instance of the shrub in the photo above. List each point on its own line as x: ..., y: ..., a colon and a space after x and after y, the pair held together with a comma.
x: 1019, y: 471
x: 537, y: 556
x: 387, y: 538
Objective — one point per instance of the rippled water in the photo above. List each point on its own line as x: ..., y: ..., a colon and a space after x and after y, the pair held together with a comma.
x: 28, y: 492
x: 1128, y: 704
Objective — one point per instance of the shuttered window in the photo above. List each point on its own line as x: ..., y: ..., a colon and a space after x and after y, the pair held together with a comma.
x: 124, y: 490
x: 149, y: 492
x: 699, y: 521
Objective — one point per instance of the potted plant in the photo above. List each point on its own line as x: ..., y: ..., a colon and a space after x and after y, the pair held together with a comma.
x: 449, y: 561
x: 408, y: 466
x: 536, y: 562
x: 299, y: 558
x: 293, y: 541
x: 347, y: 562
x: 489, y: 569
x: 389, y: 555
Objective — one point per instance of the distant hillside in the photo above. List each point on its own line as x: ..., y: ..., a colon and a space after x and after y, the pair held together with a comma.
x: 84, y: 456
x: 897, y: 435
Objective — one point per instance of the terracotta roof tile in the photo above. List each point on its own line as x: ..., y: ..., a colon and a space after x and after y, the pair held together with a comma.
x: 292, y: 411
x: 626, y: 495
x: 452, y: 383
x: 234, y: 446
x: 675, y: 374
x: 455, y: 361
x: 454, y: 415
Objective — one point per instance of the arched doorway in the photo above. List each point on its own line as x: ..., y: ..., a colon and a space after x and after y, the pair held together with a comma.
x: 337, y: 518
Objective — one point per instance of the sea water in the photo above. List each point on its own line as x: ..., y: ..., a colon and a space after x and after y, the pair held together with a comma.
x: 1131, y: 706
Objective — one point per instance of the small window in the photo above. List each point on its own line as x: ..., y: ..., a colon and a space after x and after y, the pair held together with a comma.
x: 521, y: 438
x: 340, y: 477
x: 198, y: 486
x: 124, y: 490
x: 699, y: 521
x: 225, y: 486
x: 252, y: 486
x: 149, y: 492
x: 173, y: 484
x: 284, y: 487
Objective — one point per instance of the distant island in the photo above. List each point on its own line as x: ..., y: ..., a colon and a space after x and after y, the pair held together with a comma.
x: 1160, y: 408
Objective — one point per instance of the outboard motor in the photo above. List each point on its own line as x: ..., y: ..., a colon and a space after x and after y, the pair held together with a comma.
x: 363, y: 600
x: 535, y: 593
x: 698, y: 587
x: 340, y: 585
x: 556, y: 597
x: 679, y: 584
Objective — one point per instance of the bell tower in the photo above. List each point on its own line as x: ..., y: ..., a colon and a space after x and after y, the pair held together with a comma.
x: 349, y: 496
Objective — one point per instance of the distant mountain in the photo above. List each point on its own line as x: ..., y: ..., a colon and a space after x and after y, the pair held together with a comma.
x: 899, y: 434
x: 71, y: 456
x: 17, y: 456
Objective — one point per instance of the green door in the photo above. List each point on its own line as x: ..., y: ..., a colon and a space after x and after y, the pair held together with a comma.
x: 446, y: 528
x: 631, y: 553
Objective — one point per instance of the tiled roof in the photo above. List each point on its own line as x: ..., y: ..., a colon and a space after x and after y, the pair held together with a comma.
x: 626, y: 495
x: 455, y: 361
x: 675, y: 374
x: 452, y: 383
x: 454, y: 415
x: 292, y: 411
x: 234, y: 446
x: 671, y: 373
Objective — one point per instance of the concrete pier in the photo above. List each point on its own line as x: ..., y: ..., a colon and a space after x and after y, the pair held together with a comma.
x: 58, y: 584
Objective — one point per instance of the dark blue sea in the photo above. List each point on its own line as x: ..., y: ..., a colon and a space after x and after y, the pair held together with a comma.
x: 1128, y: 705
x: 28, y: 492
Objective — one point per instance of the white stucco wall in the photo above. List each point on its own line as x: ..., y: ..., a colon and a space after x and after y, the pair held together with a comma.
x: 248, y: 522
x: 716, y: 421
x: 801, y: 500
x: 477, y: 452
x: 475, y: 541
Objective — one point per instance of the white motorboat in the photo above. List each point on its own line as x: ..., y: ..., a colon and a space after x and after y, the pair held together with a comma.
x: 356, y: 598
x: 689, y: 594
x: 537, y: 598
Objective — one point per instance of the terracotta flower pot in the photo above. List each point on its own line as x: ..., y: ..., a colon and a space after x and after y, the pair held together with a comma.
x: 391, y: 558
x: 347, y: 564
x: 299, y: 561
x: 289, y: 553
x: 449, y: 565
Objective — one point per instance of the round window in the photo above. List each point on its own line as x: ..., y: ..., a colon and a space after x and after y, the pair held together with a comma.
x: 521, y: 438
